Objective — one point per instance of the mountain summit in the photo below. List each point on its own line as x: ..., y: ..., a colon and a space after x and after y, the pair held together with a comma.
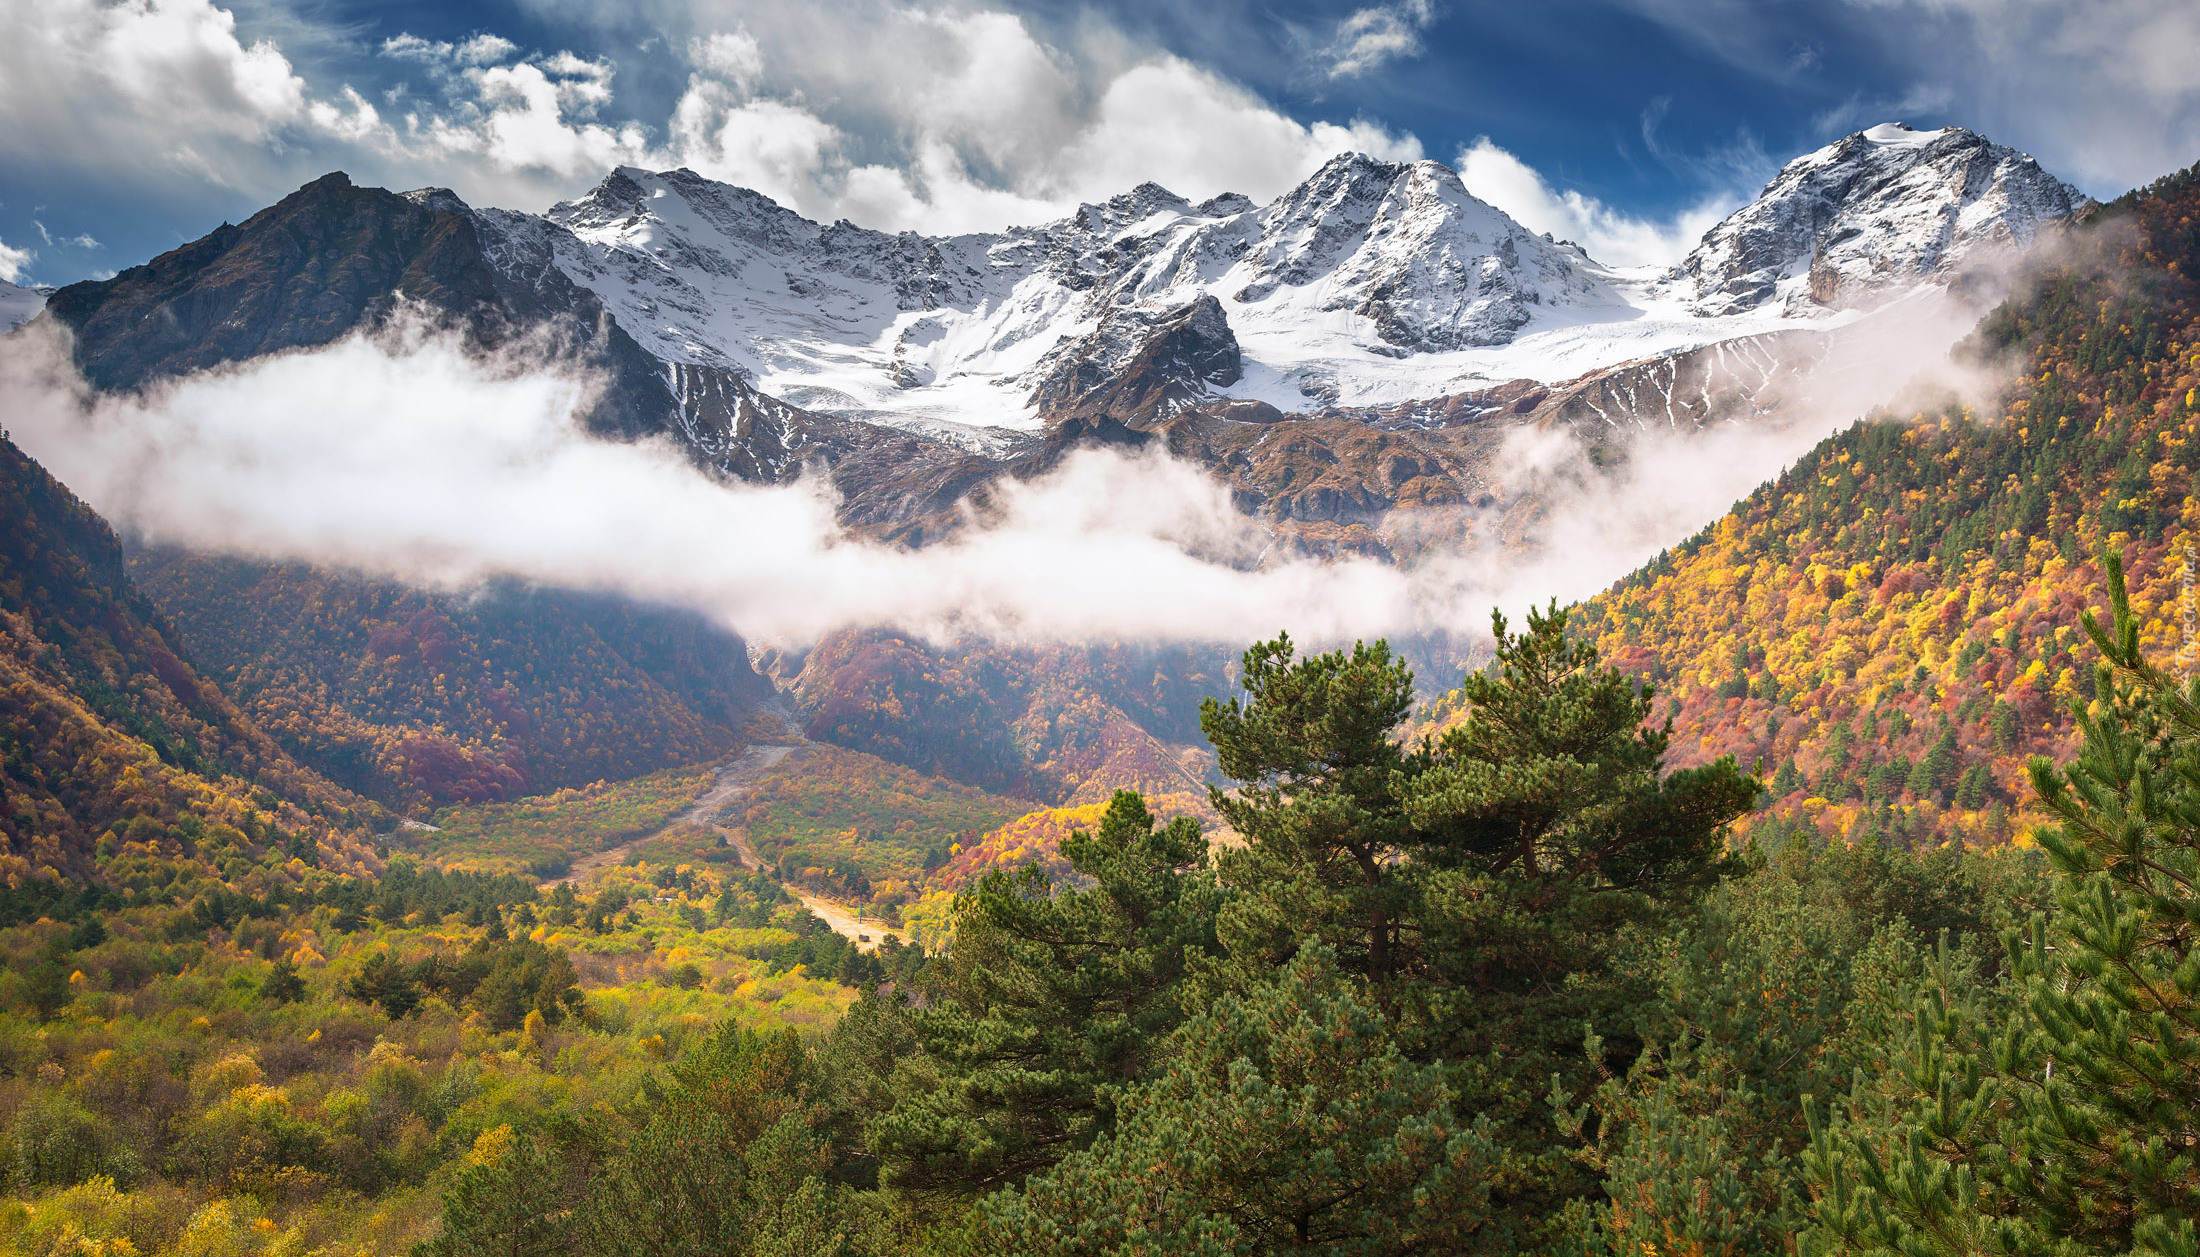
x: 1372, y: 301
x: 1879, y: 210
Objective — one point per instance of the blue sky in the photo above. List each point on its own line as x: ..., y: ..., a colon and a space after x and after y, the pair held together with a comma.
x: 1628, y: 124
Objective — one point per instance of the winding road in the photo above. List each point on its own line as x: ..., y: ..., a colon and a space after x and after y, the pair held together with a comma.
x: 735, y: 780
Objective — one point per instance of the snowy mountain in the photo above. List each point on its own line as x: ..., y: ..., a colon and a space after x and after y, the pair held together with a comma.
x: 1361, y: 343
x: 1366, y: 261
x: 18, y: 304
x: 1877, y: 211
x: 1371, y: 283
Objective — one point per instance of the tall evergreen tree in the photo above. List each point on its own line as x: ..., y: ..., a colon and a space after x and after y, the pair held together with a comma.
x: 1288, y: 1122
x: 2066, y: 1124
x: 1052, y: 998
x: 1314, y: 749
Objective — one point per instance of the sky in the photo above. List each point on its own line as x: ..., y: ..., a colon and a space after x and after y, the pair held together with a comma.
x: 128, y: 127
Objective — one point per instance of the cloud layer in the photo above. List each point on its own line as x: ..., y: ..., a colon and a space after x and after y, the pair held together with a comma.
x: 403, y: 456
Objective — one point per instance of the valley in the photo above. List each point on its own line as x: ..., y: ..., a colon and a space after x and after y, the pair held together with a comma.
x: 351, y: 908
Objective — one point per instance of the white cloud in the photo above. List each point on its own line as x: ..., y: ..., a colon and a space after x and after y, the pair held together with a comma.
x: 2125, y: 104
x: 164, y: 83
x: 935, y: 117
x: 12, y: 262
x: 1198, y: 135
x: 407, y: 456
x: 1611, y: 236
x: 1375, y: 36
x: 986, y: 125
x: 418, y: 461
x: 734, y: 56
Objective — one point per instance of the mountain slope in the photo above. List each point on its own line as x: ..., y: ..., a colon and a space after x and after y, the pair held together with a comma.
x: 1880, y: 208
x: 417, y: 698
x: 1892, y: 625
x: 106, y: 727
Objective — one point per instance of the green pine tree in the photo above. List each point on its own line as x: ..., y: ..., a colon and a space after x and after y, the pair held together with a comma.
x: 1314, y: 749
x: 1787, y: 780
x: 2063, y: 1123
x: 1051, y: 998
x: 508, y: 1199
x: 1288, y: 1122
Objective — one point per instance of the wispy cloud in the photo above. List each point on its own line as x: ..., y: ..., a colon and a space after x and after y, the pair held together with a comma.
x: 1375, y: 36
x: 12, y: 262
x: 82, y: 240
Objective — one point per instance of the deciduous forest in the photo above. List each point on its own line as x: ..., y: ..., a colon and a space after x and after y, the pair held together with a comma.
x: 1826, y: 887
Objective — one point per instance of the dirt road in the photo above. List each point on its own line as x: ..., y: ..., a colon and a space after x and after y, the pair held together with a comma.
x: 866, y: 935
x: 733, y: 780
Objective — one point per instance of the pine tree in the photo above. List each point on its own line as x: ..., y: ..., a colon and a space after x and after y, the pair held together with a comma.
x: 1787, y: 780
x: 1971, y: 793
x: 508, y: 1199
x: 1313, y: 747
x: 2069, y: 1129
x: 730, y: 1161
x: 1289, y: 1122
x: 1051, y: 997
x: 282, y: 985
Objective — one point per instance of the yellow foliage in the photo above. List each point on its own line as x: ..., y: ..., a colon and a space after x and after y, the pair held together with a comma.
x: 491, y: 1147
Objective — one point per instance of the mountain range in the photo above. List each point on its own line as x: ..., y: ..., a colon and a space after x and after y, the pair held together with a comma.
x: 1351, y: 358
x: 1385, y: 321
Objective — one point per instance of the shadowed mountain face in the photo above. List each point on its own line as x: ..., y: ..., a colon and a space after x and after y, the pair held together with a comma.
x: 417, y: 698
x: 332, y: 259
x: 105, y: 723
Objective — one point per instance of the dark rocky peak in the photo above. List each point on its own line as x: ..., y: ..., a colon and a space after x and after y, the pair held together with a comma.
x: 303, y: 272
x: 1141, y: 364
x: 333, y: 258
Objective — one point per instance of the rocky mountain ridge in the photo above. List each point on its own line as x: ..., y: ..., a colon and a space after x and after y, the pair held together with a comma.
x: 1373, y: 300
x: 1879, y: 209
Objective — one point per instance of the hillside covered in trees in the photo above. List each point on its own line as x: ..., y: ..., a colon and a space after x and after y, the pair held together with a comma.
x: 113, y: 747
x: 1892, y: 626
x: 418, y: 699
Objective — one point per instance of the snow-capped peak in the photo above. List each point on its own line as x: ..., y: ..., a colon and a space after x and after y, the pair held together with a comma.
x: 1871, y: 215
x: 1370, y: 282
x: 1376, y: 258
x: 20, y: 304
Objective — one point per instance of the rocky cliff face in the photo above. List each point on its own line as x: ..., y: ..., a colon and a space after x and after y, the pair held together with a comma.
x: 1870, y: 215
x: 1291, y: 347
x: 331, y: 259
x: 1141, y: 364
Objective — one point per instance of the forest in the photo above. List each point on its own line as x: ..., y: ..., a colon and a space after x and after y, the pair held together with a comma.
x: 1513, y: 988
x: 1827, y: 887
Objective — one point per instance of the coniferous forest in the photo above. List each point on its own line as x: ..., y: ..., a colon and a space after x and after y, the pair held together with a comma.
x: 1829, y: 886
